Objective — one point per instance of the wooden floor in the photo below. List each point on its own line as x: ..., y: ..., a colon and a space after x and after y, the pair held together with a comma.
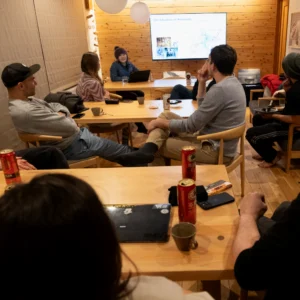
x: 274, y: 183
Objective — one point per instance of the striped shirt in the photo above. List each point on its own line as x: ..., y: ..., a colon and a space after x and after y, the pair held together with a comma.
x: 90, y: 89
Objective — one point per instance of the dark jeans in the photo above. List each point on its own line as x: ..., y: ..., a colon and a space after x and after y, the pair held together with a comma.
x: 264, y: 133
x: 44, y: 158
x: 264, y: 223
x: 181, y: 92
x: 130, y: 95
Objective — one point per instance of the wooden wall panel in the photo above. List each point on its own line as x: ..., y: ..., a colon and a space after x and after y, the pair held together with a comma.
x: 251, y: 26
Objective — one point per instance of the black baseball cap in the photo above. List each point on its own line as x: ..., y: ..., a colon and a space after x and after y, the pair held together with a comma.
x: 17, y: 72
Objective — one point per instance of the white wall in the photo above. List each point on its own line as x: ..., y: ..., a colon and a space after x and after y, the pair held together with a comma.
x: 294, y: 6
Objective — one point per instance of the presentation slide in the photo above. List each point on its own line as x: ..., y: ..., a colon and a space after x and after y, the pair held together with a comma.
x: 186, y: 36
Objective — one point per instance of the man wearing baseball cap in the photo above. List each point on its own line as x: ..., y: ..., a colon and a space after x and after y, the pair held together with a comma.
x: 269, y: 128
x: 36, y: 116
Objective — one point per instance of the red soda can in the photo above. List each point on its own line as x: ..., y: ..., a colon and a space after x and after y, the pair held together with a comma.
x: 188, y: 161
x: 186, y: 199
x: 10, y: 166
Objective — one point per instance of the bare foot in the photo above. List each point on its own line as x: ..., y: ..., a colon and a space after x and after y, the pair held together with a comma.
x: 257, y: 157
x: 265, y: 164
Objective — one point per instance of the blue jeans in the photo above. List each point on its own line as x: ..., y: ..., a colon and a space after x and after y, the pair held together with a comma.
x: 86, y: 145
x: 181, y: 92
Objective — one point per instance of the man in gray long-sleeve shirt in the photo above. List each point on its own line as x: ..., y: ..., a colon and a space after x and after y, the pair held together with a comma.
x: 222, y: 108
x: 32, y: 115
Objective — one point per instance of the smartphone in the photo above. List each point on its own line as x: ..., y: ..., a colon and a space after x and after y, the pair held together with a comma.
x: 78, y: 116
x: 216, y: 200
x: 174, y: 101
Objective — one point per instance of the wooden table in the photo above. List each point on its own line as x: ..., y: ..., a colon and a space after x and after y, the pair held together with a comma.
x: 216, y: 228
x: 133, y: 112
x: 158, y: 84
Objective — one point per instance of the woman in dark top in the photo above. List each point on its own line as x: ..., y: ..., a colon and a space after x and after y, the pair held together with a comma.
x: 269, y: 128
x: 122, y: 67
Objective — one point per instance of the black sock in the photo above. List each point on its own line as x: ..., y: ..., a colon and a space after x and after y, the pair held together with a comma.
x: 142, y: 156
x: 141, y: 128
x: 150, y: 148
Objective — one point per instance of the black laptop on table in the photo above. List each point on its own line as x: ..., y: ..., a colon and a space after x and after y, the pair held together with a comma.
x: 141, y: 223
x: 139, y: 76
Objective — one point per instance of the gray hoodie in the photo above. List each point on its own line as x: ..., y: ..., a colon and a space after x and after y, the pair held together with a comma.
x: 39, y: 117
x: 222, y: 108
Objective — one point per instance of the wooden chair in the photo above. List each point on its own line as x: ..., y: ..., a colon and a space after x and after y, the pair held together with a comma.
x: 112, y: 127
x: 35, y: 139
x: 289, y: 152
x: 239, y: 160
x: 257, y: 103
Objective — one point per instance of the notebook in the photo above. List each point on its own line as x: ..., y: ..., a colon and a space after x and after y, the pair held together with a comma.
x: 141, y: 223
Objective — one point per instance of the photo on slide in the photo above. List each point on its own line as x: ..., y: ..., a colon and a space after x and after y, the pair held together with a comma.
x: 186, y: 36
x: 163, y: 42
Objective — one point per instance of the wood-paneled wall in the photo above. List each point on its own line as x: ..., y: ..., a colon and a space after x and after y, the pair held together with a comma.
x: 251, y: 26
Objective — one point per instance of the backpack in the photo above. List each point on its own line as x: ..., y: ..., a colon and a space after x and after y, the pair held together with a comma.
x: 73, y: 102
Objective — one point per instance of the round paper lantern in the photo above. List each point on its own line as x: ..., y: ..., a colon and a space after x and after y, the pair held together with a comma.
x: 111, y: 6
x: 140, y: 13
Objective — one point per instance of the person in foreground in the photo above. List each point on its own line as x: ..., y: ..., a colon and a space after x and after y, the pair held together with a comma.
x: 57, y: 242
x: 269, y: 128
x: 42, y: 158
x: 32, y: 115
x: 266, y: 251
x: 222, y: 107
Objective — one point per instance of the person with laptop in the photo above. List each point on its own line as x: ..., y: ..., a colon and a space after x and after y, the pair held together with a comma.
x: 122, y: 67
x: 57, y: 242
x: 36, y: 116
x: 223, y: 107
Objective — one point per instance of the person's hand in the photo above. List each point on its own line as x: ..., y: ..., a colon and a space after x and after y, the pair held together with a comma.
x: 62, y: 114
x: 158, y: 123
x: 106, y: 95
x: 203, y: 74
x: 152, y: 125
x: 287, y: 84
x: 267, y: 116
x: 253, y: 205
x: 24, y: 164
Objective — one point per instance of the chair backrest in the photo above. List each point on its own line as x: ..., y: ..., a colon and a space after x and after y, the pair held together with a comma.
x: 37, y: 138
x: 230, y: 134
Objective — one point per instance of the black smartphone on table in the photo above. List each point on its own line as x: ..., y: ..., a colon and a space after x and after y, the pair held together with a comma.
x: 78, y: 116
x: 216, y: 200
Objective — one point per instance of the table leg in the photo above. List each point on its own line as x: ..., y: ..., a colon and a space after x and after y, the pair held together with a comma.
x: 213, y: 287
